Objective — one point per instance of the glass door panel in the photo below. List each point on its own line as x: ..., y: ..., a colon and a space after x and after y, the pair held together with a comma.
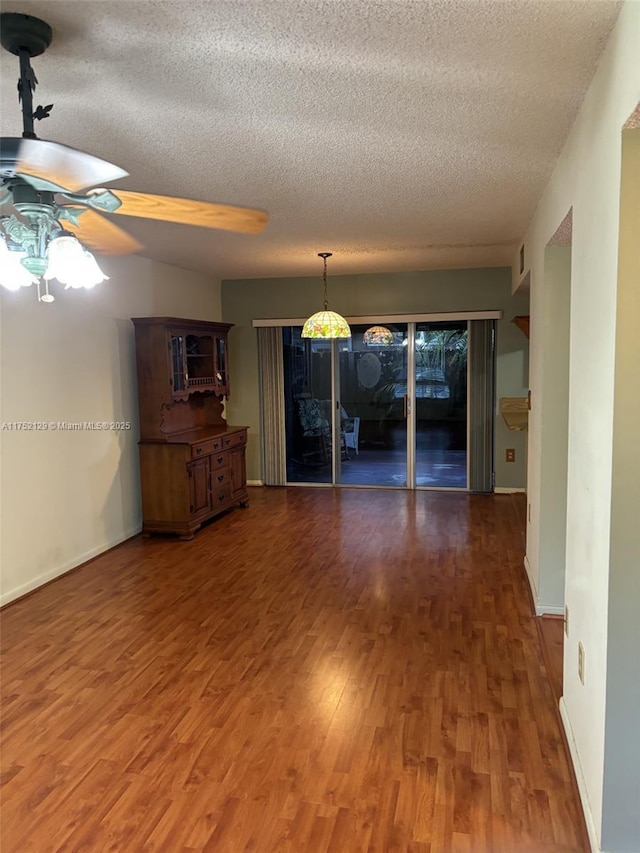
x: 307, y: 392
x: 441, y: 404
x: 178, y: 370
x: 221, y: 364
x: 373, y: 407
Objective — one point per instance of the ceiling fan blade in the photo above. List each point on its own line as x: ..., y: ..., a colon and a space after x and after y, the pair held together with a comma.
x: 55, y: 163
x: 96, y: 232
x: 188, y: 211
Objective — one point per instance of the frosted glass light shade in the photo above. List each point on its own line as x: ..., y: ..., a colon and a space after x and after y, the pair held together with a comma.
x: 87, y: 274
x: 326, y: 325
x: 64, y: 254
x: 378, y: 335
x: 72, y: 265
x: 13, y: 274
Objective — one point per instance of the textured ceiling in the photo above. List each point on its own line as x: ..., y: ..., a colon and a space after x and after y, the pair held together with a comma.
x: 398, y: 134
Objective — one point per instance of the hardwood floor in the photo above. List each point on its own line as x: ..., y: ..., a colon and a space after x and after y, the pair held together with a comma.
x: 328, y: 670
x: 551, y: 630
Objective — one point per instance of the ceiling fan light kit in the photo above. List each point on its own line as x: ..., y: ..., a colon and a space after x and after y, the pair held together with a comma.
x: 55, y: 223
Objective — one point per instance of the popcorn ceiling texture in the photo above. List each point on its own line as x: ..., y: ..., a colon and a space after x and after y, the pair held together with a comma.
x: 398, y: 134
x: 563, y: 234
x: 633, y: 122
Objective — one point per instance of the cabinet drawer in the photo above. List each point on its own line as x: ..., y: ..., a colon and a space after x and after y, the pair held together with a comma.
x: 220, y: 497
x: 234, y: 440
x: 219, y: 460
x: 203, y: 448
x: 220, y: 477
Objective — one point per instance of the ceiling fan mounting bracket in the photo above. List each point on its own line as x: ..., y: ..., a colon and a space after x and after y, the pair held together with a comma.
x: 24, y: 32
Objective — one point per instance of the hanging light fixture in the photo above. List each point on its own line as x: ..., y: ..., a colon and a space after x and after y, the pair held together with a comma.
x: 34, y: 246
x: 378, y: 336
x: 326, y: 324
x: 38, y: 247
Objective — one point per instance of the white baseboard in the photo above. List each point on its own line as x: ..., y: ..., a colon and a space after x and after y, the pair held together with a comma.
x: 73, y: 563
x: 255, y: 483
x: 549, y: 609
x: 582, y: 786
x: 506, y: 490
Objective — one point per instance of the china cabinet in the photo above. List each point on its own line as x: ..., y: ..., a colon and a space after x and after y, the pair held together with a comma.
x: 192, y: 463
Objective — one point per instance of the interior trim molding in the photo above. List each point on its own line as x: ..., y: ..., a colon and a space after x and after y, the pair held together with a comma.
x: 532, y: 586
x: 582, y: 785
x: 389, y: 318
x: 507, y: 490
x: 550, y: 610
x: 255, y: 483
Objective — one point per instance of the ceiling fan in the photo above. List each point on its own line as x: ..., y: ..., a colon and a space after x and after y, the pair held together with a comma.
x: 53, y: 189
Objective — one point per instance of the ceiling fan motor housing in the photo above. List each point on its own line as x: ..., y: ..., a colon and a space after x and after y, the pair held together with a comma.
x: 24, y: 32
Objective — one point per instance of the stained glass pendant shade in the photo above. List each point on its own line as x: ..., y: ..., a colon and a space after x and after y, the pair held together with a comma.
x: 326, y: 324
x: 378, y: 335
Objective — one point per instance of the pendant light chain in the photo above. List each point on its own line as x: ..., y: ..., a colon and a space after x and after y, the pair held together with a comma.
x: 324, y: 256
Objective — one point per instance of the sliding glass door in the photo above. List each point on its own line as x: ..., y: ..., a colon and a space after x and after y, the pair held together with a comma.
x: 372, y: 396
x: 307, y: 394
x: 441, y: 404
x: 393, y: 408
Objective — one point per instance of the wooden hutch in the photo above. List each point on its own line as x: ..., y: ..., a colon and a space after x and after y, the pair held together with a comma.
x: 192, y: 464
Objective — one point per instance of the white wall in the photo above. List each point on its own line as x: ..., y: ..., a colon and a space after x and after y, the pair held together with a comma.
x: 587, y: 178
x: 621, y: 812
x: 68, y: 495
x: 550, y: 522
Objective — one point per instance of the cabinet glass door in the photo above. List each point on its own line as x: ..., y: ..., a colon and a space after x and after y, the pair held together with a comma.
x: 221, y: 362
x: 178, y: 371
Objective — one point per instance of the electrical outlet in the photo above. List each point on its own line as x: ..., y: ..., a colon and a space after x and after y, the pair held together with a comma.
x: 566, y: 621
x: 510, y: 454
x: 581, y: 662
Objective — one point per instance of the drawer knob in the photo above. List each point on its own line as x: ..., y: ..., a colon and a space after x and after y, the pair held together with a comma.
x: 220, y: 478
x: 220, y: 460
x: 198, y: 450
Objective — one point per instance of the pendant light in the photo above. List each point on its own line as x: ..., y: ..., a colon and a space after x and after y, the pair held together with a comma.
x: 326, y: 324
x: 378, y: 336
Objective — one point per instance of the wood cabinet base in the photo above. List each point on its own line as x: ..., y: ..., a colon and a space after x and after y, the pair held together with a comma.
x: 185, y: 531
x: 192, y: 478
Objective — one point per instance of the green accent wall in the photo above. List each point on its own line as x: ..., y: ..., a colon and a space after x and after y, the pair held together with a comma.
x: 425, y: 292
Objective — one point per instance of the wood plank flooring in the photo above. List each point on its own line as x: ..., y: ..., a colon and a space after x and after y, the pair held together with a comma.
x: 328, y: 670
x: 551, y: 630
